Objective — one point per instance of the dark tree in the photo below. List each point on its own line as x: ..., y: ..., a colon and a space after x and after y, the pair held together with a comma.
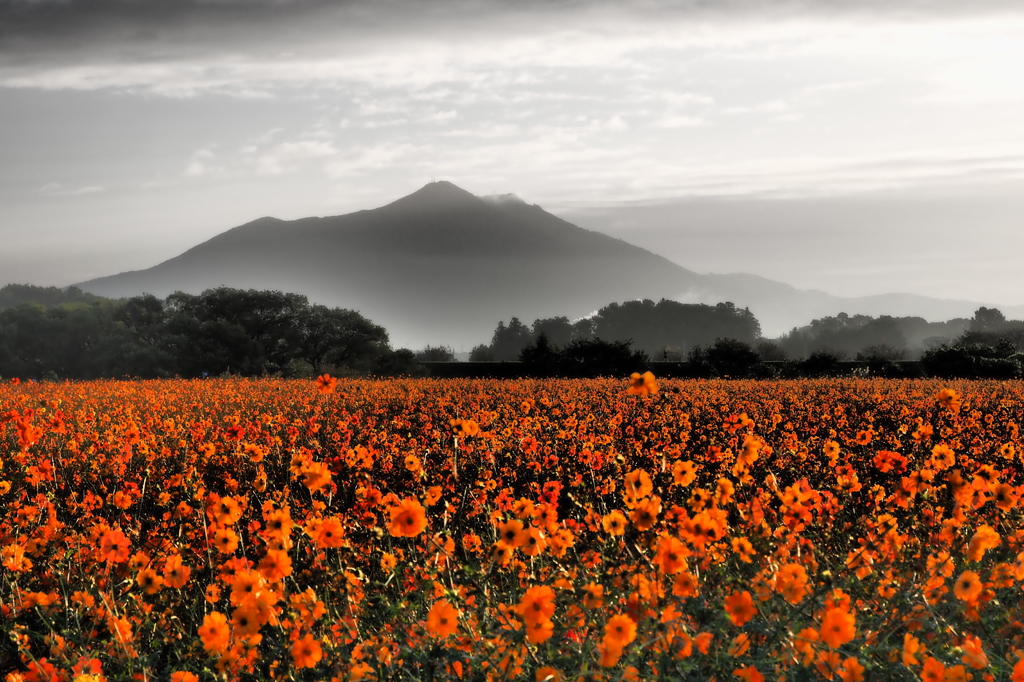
x: 732, y: 358
x: 508, y: 342
x: 558, y: 330
x: 436, y: 354
x: 481, y: 353
x: 541, y: 358
x: 339, y: 337
x: 987, y: 320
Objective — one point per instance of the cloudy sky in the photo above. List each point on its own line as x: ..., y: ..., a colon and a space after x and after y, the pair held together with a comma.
x: 855, y: 146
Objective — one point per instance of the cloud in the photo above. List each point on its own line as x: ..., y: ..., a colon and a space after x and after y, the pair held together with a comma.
x: 672, y: 121
x: 253, y: 48
x: 56, y: 189
x: 773, y: 107
x: 287, y: 157
x: 362, y: 160
x: 202, y: 164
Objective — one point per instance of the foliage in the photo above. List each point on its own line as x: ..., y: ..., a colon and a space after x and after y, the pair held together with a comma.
x: 658, y: 329
x: 508, y: 342
x: 821, y: 363
x: 436, y: 354
x: 732, y: 358
x: 974, y: 360
x: 581, y: 358
x: 13, y: 295
x: 852, y: 334
x: 218, y: 332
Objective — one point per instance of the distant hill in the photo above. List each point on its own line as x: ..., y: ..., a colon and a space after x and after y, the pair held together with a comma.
x: 13, y: 295
x: 442, y: 266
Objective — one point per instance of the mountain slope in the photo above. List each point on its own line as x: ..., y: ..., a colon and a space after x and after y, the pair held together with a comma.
x: 438, y: 266
x: 442, y: 266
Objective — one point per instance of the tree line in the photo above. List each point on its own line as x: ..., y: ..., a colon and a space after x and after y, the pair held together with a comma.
x: 221, y: 331
x: 724, y: 340
x: 665, y: 330
x: 66, y: 333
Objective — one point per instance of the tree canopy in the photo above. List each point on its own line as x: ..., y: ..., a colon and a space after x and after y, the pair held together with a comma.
x: 244, y: 332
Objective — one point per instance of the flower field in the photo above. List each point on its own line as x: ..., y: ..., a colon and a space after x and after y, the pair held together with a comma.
x: 499, y: 530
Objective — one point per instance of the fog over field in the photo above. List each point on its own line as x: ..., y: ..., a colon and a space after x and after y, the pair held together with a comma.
x: 857, y: 147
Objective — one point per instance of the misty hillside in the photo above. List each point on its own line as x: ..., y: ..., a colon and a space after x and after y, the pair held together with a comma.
x: 442, y: 266
x: 438, y: 266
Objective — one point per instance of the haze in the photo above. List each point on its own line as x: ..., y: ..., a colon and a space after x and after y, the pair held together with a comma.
x: 843, y: 146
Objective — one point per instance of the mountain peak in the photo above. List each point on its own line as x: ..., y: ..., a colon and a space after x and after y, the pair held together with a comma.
x: 434, y: 195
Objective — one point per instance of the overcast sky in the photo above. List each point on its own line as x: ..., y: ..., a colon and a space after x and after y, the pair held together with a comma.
x: 854, y: 146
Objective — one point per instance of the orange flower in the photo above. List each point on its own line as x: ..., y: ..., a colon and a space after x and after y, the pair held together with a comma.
x: 149, y: 581
x: 609, y: 653
x: 225, y: 540
x: 511, y: 533
x: 620, y: 630
x: 638, y: 484
x: 957, y: 673
x: 1005, y: 496
x: 246, y: 585
x: 740, y: 607
x: 1018, y: 671
x: 642, y: 384
x: 671, y: 555
x: 326, y: 383
x: 837, y: 627
x: 184, y: 676
x: 748, y: 674
x: 329, y: 533
x: 540, y: 631
x: 645, y: 513
x: 306, y: 652
x: 443, y: 619
x: 703, y: 641
x: 968, y: 586
x: 14, y: 559
x: 114, y: 547
x: 852, y: 670
x: 227, y: 511
x: 537, y: 604
x: 683, y: 473
x: 984, y: 539
x: 275, y: 565
x: 315, y: 475
x: 594, y: 596
x: 740, y: 645
x: 828, y: 663
x: 215, y: 633
x: 614, y: 522
x: 911, y: 647
x: 792, y: 583
x: 933, y: 671
x: 949, y: 399
x: 408, y: 519
x: 548, y: 674
x: 175, y: 573
x: 745, y: 550
x: 464, y: 428
x: 974, y: 655
x: 246, y: 619
x: 533, y: 542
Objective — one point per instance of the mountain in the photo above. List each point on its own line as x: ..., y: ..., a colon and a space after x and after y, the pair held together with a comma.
x: 443, y: 266
x: 440, y: 266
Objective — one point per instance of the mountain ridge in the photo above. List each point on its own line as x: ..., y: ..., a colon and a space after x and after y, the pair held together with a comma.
x: 442, y: 266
